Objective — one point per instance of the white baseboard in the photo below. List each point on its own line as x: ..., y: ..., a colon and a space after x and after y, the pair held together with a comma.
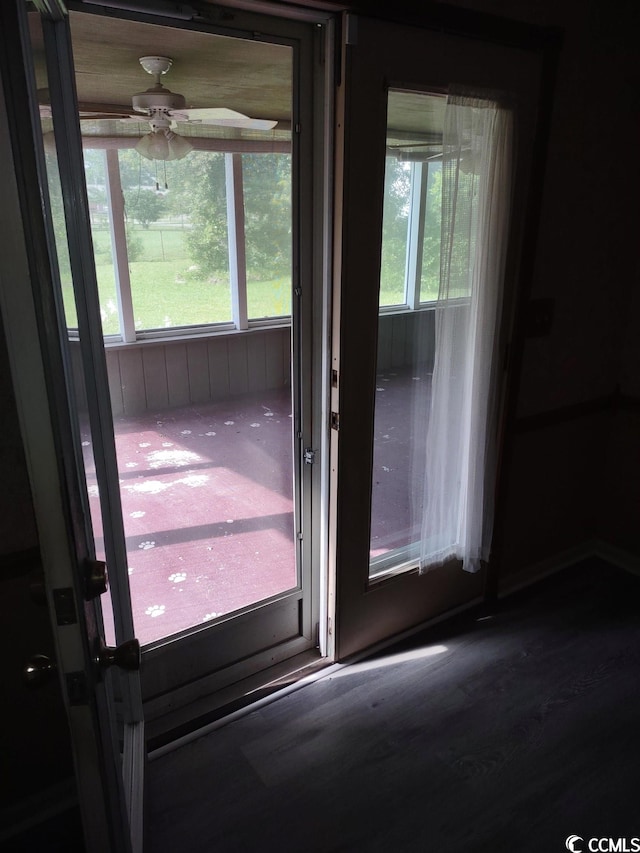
x: 617, y: 556
x: 588, y: 549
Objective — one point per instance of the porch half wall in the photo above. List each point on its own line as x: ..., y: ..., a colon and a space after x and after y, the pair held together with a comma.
x: 164, y: 374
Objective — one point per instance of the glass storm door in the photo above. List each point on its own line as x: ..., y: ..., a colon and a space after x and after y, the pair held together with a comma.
x: 398, y: 78
x: 194, y: 306
x: 100, y: 684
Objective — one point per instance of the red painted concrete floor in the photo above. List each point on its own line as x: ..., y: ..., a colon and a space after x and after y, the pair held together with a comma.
x: 207, y: 501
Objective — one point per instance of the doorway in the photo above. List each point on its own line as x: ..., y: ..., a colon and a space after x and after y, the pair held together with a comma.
x: 190, y: 317
x: 173, y: 372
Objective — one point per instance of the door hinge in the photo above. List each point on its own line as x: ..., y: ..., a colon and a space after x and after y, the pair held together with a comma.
x: 309, y: 456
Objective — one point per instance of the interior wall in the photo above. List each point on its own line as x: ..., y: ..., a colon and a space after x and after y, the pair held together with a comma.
x: 577, y: 478
x: 620, y: 497
x: 621, y: 493
x: 35, y: 746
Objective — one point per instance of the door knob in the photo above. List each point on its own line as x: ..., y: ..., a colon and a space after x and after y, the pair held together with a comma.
x: 126, y: 655
x: 38, y: 670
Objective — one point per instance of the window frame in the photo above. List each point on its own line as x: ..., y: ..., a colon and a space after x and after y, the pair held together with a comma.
x: 240, y: 321
x: 418, y: 187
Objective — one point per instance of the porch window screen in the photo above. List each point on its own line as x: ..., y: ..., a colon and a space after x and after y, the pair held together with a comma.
x: 461, y: 439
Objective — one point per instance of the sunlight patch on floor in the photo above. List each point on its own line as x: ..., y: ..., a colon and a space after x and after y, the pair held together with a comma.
x: 392, y: 660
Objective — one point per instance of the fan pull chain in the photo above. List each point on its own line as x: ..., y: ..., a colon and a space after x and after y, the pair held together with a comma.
x: 156, y: 168
x: 164, y: 163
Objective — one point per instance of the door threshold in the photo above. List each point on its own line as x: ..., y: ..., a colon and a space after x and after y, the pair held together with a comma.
x: 284, y: 683
x: 174, y: 729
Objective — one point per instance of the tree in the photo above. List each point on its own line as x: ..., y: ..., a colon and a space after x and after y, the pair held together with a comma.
x: 397, y: 192
x: 144, y: 205
x: 197, y: 191
x: 58, y: 216
x: 430, y: 273
x: 267, y: 209
x: 136, y: 171
x: 197, y: 188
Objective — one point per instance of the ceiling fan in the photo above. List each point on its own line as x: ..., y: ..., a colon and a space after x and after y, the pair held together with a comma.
x: 163, y: 109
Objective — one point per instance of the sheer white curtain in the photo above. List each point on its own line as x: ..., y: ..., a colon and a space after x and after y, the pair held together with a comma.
x: 460, y: 452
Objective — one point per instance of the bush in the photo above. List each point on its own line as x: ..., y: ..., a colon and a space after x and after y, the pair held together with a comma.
x: 135, y: 247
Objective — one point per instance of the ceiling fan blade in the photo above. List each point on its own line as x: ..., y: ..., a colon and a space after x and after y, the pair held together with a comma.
x: 241, y: 123
x: 206, y: 113
x: 94, y: 115
x: 223, y: 117
x: 86, y: 108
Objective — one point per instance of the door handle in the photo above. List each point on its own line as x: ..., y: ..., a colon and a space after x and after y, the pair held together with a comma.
x: 125, y: 656
x: 38, y: 670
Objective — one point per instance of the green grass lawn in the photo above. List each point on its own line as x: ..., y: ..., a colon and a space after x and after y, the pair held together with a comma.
x: 168, y: 289
x: 392, y: 293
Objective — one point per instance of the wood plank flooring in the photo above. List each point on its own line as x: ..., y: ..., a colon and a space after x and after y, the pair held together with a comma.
x: 507, y: 733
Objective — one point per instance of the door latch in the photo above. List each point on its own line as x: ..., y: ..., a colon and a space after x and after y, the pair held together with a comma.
x: 309, y: 456
x: 95, y: 579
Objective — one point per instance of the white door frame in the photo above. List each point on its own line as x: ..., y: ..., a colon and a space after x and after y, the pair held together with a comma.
x: 25, y: 265
x: 110, y: 784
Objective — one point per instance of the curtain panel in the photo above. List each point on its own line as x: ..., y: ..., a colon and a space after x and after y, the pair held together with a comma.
x: 459, y: 476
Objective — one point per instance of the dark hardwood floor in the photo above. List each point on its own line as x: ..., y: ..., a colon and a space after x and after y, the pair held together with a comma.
x: 501, y: 733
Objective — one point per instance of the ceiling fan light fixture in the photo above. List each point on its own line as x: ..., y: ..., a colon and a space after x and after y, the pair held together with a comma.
x: 156, y: 65
x: 163, y: 145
